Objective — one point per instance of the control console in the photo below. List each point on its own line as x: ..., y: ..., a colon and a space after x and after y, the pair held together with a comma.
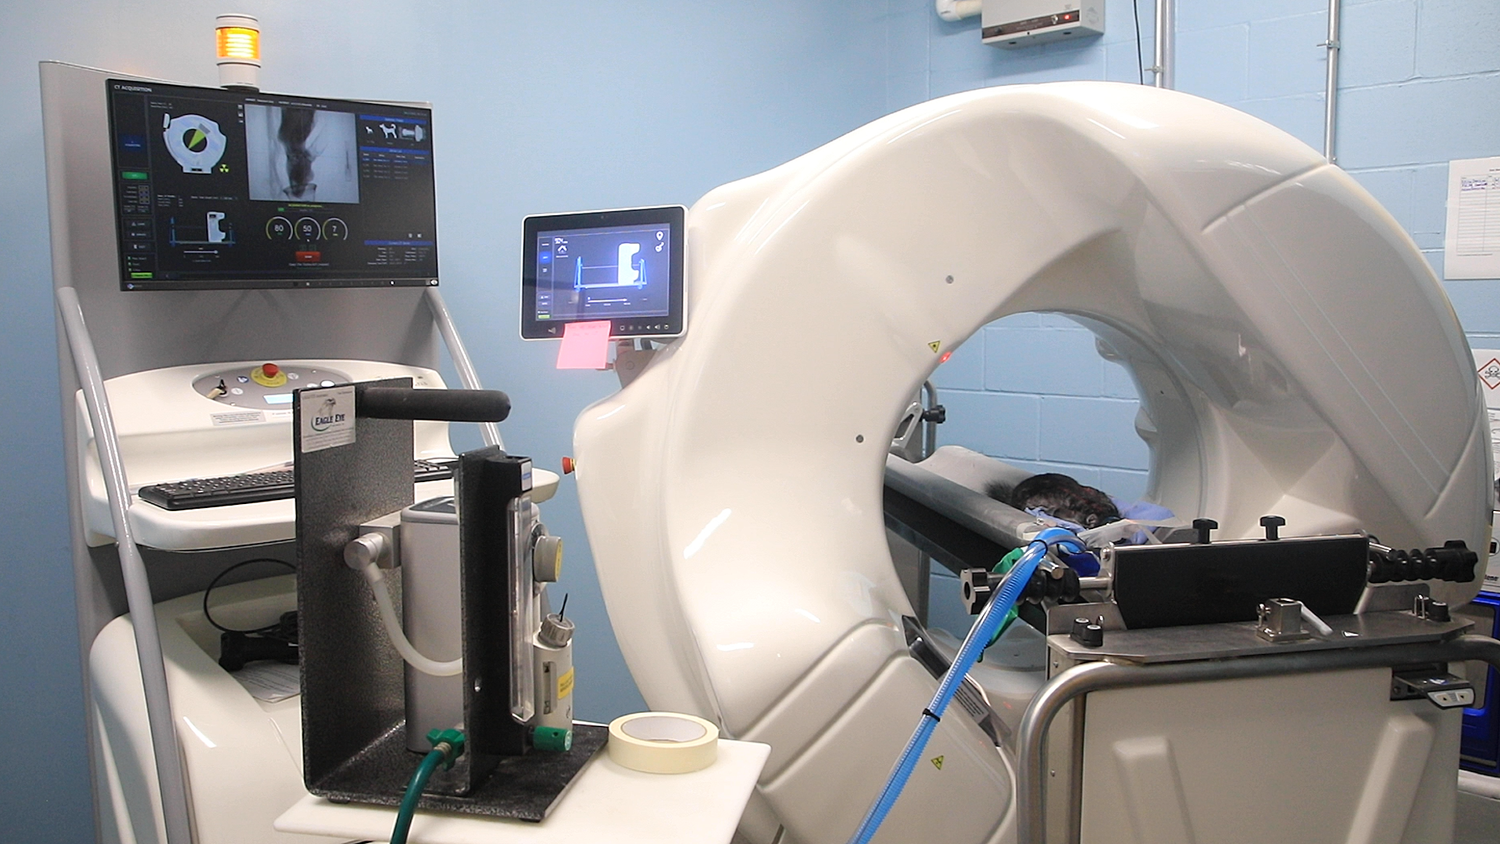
x: 265, y: 385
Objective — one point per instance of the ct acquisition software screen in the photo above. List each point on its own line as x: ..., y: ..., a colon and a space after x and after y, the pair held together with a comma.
x: 223, y: 189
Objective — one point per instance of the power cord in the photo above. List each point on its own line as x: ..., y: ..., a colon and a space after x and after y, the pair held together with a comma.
x: 212, y: 584
x: 1140, y: 72
x: 278, y: 641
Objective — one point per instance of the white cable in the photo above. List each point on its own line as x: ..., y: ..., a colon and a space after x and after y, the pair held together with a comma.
x: 1316, y: 623
x: 376, y: 579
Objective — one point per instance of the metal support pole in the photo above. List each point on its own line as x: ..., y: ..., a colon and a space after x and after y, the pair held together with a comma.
x: 1031, y: 774
x: 1166, y: 44
x: 1331, y: 91
x: 466, y: 374
x: 170, y: 776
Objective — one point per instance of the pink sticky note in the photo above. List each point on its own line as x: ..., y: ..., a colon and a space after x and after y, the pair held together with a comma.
x: 585, y: 345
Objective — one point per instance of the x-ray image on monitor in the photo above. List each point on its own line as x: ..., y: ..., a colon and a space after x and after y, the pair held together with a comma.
x: 301, y: 154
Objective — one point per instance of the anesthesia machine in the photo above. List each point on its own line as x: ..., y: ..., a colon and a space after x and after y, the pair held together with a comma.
x: 249, y: 330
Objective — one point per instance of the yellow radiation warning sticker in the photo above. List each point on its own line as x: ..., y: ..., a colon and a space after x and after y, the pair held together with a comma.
x: 565, y: 685
x: 935, y: 346
x: 937, y: 762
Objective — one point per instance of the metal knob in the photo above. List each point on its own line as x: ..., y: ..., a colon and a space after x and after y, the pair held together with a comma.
x: 1204, y: 527
x: 556, y: 631
x: 366, y: 549
x: 974, y: 584
x: 1271, y: 523
x: 546, y: 558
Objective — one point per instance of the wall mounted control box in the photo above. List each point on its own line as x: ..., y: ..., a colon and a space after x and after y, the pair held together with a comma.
x: 1021, y: 23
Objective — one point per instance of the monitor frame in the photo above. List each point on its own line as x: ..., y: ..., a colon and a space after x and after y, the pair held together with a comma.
x: 670, y: 324
x: 348, y: 276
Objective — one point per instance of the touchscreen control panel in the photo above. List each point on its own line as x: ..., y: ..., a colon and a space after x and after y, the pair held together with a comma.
x: 623, y: 266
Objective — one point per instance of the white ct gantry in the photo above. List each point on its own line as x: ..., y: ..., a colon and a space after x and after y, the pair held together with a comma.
x: 1293, y: 352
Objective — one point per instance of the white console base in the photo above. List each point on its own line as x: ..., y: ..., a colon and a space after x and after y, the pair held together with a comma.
x: 168, y: 431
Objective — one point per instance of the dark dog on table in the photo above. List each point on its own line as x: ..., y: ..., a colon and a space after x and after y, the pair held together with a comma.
x: 1064, y: 498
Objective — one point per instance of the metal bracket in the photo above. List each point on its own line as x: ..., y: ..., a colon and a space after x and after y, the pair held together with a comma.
x: 1281, y: 621
x: 630, y: 362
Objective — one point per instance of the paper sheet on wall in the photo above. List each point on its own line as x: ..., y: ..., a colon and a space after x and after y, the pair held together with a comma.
x: 1487, y: 364
x: 1471, y: 246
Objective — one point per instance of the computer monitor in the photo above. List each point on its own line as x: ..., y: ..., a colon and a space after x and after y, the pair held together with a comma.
x: 232, y: 189
x: 623, y: 266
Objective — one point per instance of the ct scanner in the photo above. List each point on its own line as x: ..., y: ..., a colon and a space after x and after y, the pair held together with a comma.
x: 1293, y: 352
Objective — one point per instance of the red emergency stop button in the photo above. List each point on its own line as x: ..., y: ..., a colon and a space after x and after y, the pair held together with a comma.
x: 268, y: 375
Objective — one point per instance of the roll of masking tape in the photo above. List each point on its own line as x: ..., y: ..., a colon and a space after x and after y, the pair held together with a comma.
x: 663, y: 742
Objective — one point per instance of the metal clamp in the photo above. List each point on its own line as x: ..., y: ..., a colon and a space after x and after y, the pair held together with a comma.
x: 1281, y: 621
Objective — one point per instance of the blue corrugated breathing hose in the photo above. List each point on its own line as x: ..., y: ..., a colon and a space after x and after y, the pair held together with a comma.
x: 974, y: 644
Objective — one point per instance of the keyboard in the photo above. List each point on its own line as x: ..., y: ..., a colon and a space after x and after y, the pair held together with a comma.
x: 196, y: 493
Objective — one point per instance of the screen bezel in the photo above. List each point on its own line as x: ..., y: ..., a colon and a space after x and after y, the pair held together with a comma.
x: 270, y: 280
x: 673, y: 217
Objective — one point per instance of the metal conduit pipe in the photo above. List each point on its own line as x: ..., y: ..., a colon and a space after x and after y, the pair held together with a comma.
x: 1165, y: 70
x: 460, y: 356
x: 1331, y: 91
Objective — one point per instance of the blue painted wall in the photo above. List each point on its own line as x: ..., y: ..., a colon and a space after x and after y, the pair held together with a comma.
x: 537, y: 108
x: 528, y: 102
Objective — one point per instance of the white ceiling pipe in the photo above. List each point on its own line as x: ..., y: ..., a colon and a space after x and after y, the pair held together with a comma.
x: 957, y: 10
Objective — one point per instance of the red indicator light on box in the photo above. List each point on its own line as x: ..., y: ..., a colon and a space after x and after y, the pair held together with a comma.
x: 944, y: 359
